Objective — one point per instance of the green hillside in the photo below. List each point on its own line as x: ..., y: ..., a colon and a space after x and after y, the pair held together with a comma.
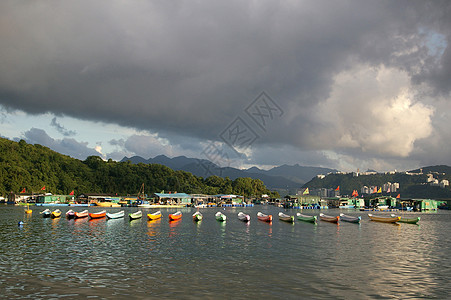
x: 30, y: 167
x: 411, y: 186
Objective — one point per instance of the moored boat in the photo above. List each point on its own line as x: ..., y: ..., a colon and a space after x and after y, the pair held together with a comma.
x: 81, y: 214
x: 46, y: 213
x: 220, y: 217
x: 331, y: 219
x: 56, y: 214
x: 175, y: 216
x: 117, y: 215
x: 70, y: 214
x: 28, y: 210
x: 306, y: 218
x: 244, y: 217
x: 350, y: 219
x: 135, y: 215
x: 263, y: 217
x: 197, y: 216
x: 154, y: 216
x: 98, y: 215
x: 384, y: 219
x: 286, y: 218
x: 408, y: 220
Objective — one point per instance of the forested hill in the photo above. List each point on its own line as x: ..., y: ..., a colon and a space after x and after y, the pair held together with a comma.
x: 411, y: 186
x: 31, y: 167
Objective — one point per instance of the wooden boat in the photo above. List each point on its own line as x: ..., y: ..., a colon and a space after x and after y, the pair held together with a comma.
x: 286, y: 218
x: 306, y: 218
x: 98, y: 215
x: 175, y: 216
x: 265, y: 218
x: 135, y: 215
x: 70, y: 214
x: 28, y: 210
x: 384, y: 219
x: 154, y: 216
x: 197, y: 216
x: 350, y: 219
x: 56, y: 214
x: 408, y: 220
x: 220, y: 217
x: 46, y: 213
x: 331, y: 219
x: 117, y: 215
x: 81, y: 214
x: 243, y: 217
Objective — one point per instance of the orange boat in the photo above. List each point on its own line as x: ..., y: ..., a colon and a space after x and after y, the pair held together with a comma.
x: 81, y: 214
x: 265, y: 218
x: 98, y: 215
x: 176, y: 216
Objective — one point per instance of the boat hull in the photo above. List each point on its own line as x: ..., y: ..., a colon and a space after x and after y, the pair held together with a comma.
x: 244, y: 217
x: 98, y: 215
x: 409, y: 220
x: 286, y: 218
x: 82, y: 214
x: 350, y: 219
x: 176, y: 216
x: 154, y: 216
x: 220, y: 217
x: 384, y: 219
x: 330, y: 219
x: 117, y: 215
x: 197, y: 216
x: 263, y: 217
x: 306, y: 218
x: 136, y: 215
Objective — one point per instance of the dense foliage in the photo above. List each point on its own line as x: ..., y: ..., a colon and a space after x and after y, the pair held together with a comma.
x: 413, y: 186
x: 31, y: 167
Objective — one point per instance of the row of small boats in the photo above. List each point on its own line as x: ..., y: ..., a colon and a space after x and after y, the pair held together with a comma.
x: 197, y: 216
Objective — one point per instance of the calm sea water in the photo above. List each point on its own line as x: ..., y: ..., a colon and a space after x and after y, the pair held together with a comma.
x: 60, y: 258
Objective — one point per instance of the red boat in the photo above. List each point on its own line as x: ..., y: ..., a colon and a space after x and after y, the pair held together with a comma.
x: 176, y: 216
x: 98, y: 215
x: 263, y: 217
x: 82, y: 214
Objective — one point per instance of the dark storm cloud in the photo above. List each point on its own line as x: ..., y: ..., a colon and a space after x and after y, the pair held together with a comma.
x: 191, y: 68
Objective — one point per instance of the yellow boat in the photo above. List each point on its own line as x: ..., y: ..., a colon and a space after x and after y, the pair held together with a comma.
x: 56, y: 213
x: 28, y: 210
x: 156, y: 215
x: 389, y: 219
x: 108, y: 204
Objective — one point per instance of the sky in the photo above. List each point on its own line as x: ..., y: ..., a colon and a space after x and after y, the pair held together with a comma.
x: 339, y: 84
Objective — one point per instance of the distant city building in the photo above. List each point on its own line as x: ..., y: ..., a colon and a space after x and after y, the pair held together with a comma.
x: 430, y: 178
x: 444, y: 183
x: 320, y: 176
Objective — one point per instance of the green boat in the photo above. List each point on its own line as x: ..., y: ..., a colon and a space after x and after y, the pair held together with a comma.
x: 135, y: 215
x: 409, y: 220
x: 306, y: 218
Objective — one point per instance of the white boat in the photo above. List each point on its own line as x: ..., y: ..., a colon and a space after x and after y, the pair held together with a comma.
x: 117, y: 215
x: 220, y: 216
x: 243, y: 217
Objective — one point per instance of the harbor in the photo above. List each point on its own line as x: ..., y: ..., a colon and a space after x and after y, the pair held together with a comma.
x: 118, y: 258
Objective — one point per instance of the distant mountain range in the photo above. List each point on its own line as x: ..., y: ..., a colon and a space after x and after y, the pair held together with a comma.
x: 281, y: 177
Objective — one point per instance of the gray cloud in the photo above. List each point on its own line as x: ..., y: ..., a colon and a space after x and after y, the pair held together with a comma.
x: 61, y: 129
x: 67, y: 146
x: 188, y: 69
